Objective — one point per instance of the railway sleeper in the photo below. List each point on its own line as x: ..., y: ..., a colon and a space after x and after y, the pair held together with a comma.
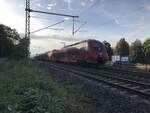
x: 146, y: 90
x: 96, y: 78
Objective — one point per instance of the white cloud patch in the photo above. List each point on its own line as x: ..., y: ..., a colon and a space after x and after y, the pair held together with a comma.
x: 69, y: 4
x: 42, y: 45
x: 9, y: 18
x: 147, y: 7
x: 83, y: 4
x: 132, y: 25
x: 50, y: 6
x: 66, y: 18
x: 110, y: 15
x: 21, y: 5
x: 39, y: 5
x: 91, y: 0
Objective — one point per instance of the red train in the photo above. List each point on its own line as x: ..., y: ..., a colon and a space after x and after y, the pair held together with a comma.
x: 87, y: 51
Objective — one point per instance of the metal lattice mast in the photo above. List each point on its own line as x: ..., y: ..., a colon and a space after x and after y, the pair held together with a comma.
x: 27, y: 28
x: 28, y: 10
x: 73, y: 27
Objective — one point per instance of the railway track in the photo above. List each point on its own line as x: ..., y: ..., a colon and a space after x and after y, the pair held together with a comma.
x: 127, y: 71
x: 134, y: 87
x: 125, y: 74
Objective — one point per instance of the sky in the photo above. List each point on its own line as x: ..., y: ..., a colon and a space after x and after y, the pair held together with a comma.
x: 107, y: 20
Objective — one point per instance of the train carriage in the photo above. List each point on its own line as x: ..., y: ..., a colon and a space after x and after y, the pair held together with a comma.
x: 89, y: 51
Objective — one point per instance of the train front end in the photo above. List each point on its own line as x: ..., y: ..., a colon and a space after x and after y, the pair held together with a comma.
x: 98, y: 52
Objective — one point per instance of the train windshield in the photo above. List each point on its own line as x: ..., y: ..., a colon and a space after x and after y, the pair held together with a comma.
x: 96, y: 45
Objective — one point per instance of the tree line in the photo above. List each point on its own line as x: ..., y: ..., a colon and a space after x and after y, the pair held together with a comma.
x: 11, y: 44
x: 138, y: 52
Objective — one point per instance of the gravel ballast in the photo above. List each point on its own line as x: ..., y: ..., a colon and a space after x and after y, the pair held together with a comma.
x: 101, y: 98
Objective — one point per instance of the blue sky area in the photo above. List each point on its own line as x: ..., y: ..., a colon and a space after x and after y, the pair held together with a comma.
x: 107, y: 20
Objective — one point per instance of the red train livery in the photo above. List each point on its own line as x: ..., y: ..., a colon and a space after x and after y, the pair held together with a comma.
x: 87, y: 51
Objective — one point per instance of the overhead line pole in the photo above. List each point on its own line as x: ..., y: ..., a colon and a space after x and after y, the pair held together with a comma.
x: 27, y: 23
x: 58, y: 14
x: 73, y: 27
x: 28, y: 11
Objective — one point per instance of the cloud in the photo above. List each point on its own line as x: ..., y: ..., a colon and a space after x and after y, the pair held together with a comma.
x: 63, y: 38
x: 91, y: 0
x: 43, y: 45
x: 69, y: 4
x: 9, y: 18
x: 133, y: 25
x: 50, y: 6
x: 83, y: 4
x: 66, y: 18
x: 147, y: 7
x: 55, y: 37
x: 21, y: 6
x: 53, y: 4
x: 39, y: 5
x: 111, y: 16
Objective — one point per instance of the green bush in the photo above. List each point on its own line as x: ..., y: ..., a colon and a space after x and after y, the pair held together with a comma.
x: 24, y: 88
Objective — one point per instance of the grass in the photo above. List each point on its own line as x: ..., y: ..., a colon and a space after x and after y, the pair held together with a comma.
x: 24, y: 88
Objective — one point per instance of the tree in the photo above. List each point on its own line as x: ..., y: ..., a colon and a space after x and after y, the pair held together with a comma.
x: 8, y: 39
x: 146, y: 49
x: 108, y: 48
x: 136, y: 52
x: 11, y: 44
x: 22, y: 49
x: 122, y: 48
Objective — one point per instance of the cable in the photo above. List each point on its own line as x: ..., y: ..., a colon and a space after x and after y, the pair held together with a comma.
x: 47, y: 27
x: 57, y: 14
x: 80, y: 27
x: 82, y: 31
x: 57, y: 29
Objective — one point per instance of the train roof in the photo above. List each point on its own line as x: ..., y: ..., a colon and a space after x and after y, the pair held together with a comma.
x: 81, y: 42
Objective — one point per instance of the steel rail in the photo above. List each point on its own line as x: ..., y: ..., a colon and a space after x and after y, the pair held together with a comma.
x: 125, y: 71
x: 125, y: 86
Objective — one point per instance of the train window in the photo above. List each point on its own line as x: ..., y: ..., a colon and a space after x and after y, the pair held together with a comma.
x: 96, y: 45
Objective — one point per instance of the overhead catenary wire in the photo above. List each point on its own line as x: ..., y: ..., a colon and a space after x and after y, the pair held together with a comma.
x: 47, y: 27
x: 80, y: 27
x: 57, y: 29
x: 28, y: 10
x: 82, y: 31
x: 58, y: 14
